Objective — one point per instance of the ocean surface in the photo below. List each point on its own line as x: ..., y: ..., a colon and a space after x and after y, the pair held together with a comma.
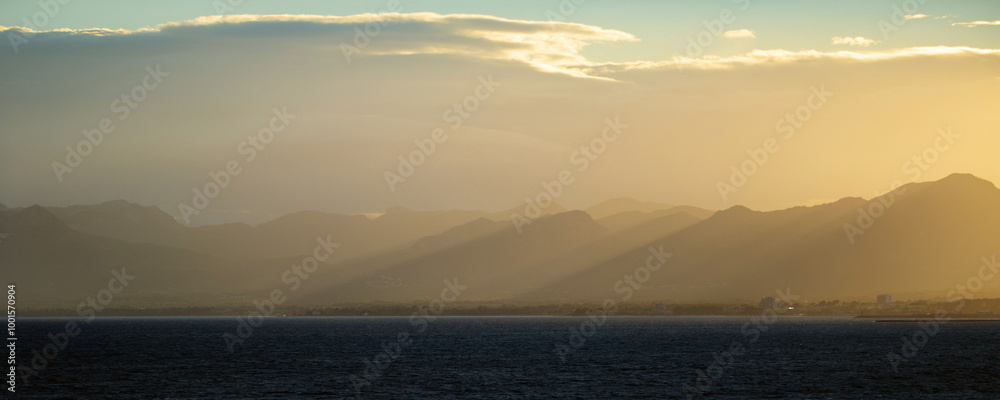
x: 511, y: 358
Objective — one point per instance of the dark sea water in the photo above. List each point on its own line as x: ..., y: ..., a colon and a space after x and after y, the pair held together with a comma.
x: 512, y: 358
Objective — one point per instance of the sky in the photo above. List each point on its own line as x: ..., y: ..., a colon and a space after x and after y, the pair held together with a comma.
x: 709, y: 103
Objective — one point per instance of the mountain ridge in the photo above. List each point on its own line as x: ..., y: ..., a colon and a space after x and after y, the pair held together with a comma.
x: 915, y: 239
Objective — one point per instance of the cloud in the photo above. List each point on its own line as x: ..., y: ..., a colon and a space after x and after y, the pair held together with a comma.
x: 787, y: 58
x: 856, y: 41
x: 976, y: 23
x: 740, y: 34
x: 545, y: 45
x: 689, y: 119
x: 922, y: 16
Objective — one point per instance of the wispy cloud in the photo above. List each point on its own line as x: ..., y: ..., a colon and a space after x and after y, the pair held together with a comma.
x: 856, y: 41
x: 546, y: 45
x: 740, y: 34
x: 777, y: 57
x: 922, y: 16
x: 974, y: 24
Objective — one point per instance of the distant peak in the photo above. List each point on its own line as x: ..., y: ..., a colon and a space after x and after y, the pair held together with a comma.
x: 624, y: 204
x: 120, y: 203
x: 738, y: 209
x: 398, y: 210
x: 966, y: 178
x: 574, y: 215
x: 955, y: 183
x: 33, y: 216
x: 850, y: 202
x: 735, y: 212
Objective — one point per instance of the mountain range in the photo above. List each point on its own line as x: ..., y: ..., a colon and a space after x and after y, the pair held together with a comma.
x: 920, y: 240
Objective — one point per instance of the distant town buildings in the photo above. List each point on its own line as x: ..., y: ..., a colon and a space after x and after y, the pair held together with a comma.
x: 767, y: 303
x: 883, y: 300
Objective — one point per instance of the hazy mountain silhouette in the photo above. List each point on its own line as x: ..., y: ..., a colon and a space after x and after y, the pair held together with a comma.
x: 482, y: 254
x: 52, y: 263
x: 623, y: 204
x: 627, y: 219
x: 125, y: 221
x: 552, y: 209
x: 289, y: 235
x: 930, y: 239
x: 924, y: 240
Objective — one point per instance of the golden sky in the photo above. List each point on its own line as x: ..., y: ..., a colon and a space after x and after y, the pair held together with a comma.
x: 496, y: 105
